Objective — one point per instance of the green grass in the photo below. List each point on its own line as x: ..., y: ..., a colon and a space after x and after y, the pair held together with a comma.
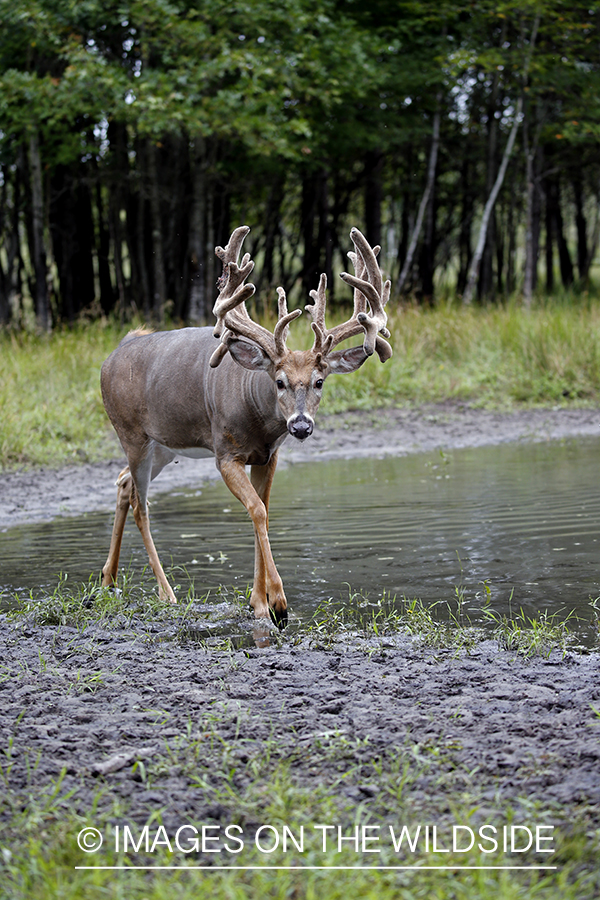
x: 252, y: 781
x: 496, y: 357
x: 501, y: 356
x: 441, y: 625
x: 42, y: 866
x: 52, y: 410
x: 254, y: 785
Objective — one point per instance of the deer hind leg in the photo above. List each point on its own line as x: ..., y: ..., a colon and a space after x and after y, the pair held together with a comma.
x: 140, y: 514
x: 267, y: 592
x: 133, y: 492
x: 124, y: 501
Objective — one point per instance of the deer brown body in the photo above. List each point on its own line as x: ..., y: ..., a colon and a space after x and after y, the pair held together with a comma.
x: 179, y: 393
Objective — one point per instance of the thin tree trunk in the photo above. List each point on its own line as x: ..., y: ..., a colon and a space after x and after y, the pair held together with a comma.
x: 487, y: 212
x: 530, y: 252
x: 276, y: 197
x: 199, y: 306
x: 512, y: 244
x: 564, y: 256
x: 373, y: 195
x: 489, y: 206
x: 9, y: 226
x: 141, y: 255
x: 41, y: 299
x: 486, y: 269
x: 464, y: 241
x: 158, y: 258
x: 427, y: 193
x: 580, y: 224
x: 213, y: 268
x: 324, y: 249
x: 310, y: 265
x: 107, y: 297
x: 549, y: 238
x: 594, y: 241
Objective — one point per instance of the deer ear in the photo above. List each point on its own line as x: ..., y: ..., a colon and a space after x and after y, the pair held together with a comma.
x: 343, y: 361
x: 248, y: 355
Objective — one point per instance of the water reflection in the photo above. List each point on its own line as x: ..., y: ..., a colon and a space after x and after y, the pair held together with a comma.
x: 519, y: 520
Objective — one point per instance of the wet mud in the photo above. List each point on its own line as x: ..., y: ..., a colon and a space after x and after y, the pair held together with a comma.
x: 92, y: 703
x: 497, y: 726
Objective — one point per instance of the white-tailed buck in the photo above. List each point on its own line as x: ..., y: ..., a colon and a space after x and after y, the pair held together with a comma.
x: 179, y: 393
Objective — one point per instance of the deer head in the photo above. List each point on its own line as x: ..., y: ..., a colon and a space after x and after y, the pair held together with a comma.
x: 299, y: 376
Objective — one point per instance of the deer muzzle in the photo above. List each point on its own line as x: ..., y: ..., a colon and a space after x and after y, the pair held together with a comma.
x: 300, y: 426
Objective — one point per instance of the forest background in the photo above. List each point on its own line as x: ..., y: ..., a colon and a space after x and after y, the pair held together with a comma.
x: 462, y: 137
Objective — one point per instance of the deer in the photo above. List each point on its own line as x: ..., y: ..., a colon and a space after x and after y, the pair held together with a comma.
x: 179, y: 393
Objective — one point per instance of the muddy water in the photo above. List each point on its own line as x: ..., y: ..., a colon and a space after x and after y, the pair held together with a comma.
x: 516, y: 522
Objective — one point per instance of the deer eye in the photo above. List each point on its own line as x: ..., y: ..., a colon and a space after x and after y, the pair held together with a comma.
x: 319, y: 384
x: 280, y: 384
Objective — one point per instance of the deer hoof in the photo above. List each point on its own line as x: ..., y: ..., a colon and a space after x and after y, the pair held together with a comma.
x: 279, y: 617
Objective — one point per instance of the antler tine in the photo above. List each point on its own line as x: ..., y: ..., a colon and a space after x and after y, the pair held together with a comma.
x: 374, y: 291
x: 370, y: 293
x: 232, y: 290
x: 233, y: 319
x: 282, y: 328
x: 323, y: 342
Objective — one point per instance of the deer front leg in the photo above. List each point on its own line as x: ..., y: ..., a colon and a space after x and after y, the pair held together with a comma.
x: 267, y: 591
x: 261, y: 478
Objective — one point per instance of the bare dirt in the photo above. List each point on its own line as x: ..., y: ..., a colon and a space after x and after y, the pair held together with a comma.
x: 92, y: 703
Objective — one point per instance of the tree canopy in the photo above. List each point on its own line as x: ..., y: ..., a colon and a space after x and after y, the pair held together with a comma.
x: 134, y: 136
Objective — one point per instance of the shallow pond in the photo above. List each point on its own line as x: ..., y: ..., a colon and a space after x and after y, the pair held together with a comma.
x: 515, y: 522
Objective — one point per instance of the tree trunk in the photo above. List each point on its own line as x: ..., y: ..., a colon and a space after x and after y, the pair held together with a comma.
x: 549, y: 253
x: 177, y: 258
x: 159, y: 294
x: 511, y: 228
x: 564, y: 256
x: 119, y: 178
x: 465, y: 252
x: 489, y: 206
x: 555, y: 232
x: 38, y: 249
x: 374, y: 160
x: 427, y: 259
x: 486, y: 270
x: 266, y: 277
x: 324, y: 249
x: 595, y: 237
x: 107, y: 294
x: 9, y: 227
x: 580, y: 225
x: 72, y: 232
x: 425, y: 199
x: 199, y: 303
x: 532, y: 190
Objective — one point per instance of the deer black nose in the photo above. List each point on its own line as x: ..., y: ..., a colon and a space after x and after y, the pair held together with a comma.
x: 300, y: 427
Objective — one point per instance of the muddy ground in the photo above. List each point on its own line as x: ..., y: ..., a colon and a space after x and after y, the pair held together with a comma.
x: 504, y: 732
x: 483, y: 723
